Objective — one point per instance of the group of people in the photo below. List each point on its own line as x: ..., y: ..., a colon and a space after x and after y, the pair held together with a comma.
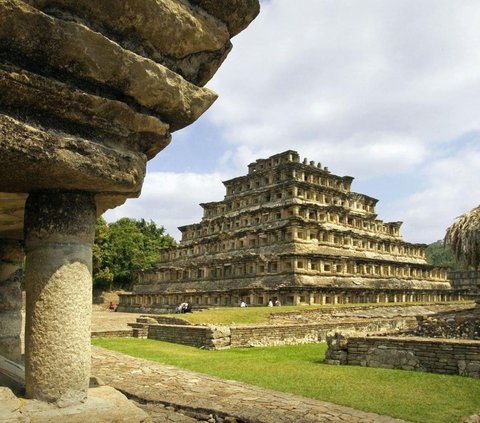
x: 184, y: 308
x: 271, y: 303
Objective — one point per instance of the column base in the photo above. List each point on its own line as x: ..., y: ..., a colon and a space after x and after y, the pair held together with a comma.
x: 104, y: 403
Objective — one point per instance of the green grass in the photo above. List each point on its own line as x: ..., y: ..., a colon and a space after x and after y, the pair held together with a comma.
x: 413, y: 396
x: 233, y: 315
x: 259, y: 315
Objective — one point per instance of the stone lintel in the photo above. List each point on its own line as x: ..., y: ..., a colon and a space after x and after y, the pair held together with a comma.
x: 34, y: 159
x: 67, y: 50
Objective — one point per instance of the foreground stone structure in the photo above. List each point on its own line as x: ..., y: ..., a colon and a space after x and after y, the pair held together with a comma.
x: 290, y: 231
x: 447, y: 356
x: 447, y: 341
x: 89, y: 91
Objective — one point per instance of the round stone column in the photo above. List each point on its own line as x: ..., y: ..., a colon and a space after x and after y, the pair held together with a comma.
x: 59, y: 234
x: 11, y: 258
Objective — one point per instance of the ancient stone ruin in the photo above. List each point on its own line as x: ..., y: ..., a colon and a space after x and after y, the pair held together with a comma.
x: 89, y: 91
x: 292, y: 232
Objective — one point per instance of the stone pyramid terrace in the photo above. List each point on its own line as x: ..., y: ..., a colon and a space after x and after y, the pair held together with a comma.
x: 291, y: 231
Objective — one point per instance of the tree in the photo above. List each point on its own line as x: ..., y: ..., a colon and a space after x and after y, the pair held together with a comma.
x: 438, y: 254
x: 123, y: 248
x: 464, y: 237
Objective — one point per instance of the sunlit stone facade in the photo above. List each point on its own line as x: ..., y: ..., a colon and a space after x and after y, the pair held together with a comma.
x: 291, y: 231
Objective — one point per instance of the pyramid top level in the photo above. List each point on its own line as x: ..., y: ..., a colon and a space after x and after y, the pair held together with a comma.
x: 300, y: 170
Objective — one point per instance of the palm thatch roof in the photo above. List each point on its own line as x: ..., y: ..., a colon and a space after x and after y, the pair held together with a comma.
x: 464, y: 237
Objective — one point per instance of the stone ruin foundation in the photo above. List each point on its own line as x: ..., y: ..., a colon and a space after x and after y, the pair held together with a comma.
x: 89, y: 92
x: 446, y: 342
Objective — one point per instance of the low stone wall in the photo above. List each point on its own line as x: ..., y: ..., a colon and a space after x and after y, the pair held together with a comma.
x: 163, y: 320
x: 209, y: 337
x: 138, y: 308
x: 466, y: 280
x: 219, y: 337
x: 461, y: 325
x: 128, y: 333
x: 261, y: 336
x: 448, y: 356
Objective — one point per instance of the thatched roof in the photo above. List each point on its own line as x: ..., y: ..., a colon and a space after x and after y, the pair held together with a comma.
x: 464, y: 237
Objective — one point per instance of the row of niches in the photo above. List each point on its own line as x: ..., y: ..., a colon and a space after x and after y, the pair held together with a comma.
x: 316, y: 197
x: 250, y: 183
x: 249, y: 220
x: 274, y: 161
x: 297, y: 298
x: 303, y: 265
x: 349, y: 242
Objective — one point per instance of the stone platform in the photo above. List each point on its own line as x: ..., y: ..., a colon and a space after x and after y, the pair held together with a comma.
x: 104, y: 405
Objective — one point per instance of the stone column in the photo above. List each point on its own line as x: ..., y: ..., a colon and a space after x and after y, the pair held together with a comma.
x: 59, y: 233
x: 11, y: 257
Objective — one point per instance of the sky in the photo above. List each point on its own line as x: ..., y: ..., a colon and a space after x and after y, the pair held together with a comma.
x: 386, y: 91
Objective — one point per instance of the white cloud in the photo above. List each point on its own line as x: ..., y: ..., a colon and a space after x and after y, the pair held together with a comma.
x: 375, y: 89
x: 172, y: 199
x: 319, y: 73
x: 451, y: 189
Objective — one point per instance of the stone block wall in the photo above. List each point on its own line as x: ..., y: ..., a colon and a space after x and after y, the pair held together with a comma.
x: 194, y: 336
x: 466, y: 280
x: 449, y: 356
x: 219, y: 337
x: 170, y: 320
x: 449, y: 326
x: 262, y: 336
x: 128, y: 333
x: 209, y: 337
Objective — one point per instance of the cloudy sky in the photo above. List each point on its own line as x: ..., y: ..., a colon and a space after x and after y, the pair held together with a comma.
x: 386, y: 91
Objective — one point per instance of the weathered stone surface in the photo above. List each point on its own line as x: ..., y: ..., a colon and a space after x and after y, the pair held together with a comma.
x: 463, y: 324
x: 186, y: 39
x: 237, y: 14
x: 11, y: 251
x: 89, y: 91
x: 203, y: 395
x: 49, y: 160
x: 10, y: 293
x: 59, y: 233
x: 11, y: 215
x: 392, y: 359
x: 296, y: 233
x: 75, y: 52
x: 104, y: 405
x: 69, y: 110
x: 445, y: 356
x: 170, y: 27
x: 10, y: 406
x: 11, y: 274
x: 90, y: 87
x: 10, y: 323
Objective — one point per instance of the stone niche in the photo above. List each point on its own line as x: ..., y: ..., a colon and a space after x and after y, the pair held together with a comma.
x: 89, y: 92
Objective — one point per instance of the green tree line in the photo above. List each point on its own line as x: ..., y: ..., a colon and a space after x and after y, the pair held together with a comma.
x: 438, y: 254
x: 123, y: 248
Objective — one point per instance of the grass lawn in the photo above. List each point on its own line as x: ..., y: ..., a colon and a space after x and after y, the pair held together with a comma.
x: 413, y: 396
x: 259, y: 315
